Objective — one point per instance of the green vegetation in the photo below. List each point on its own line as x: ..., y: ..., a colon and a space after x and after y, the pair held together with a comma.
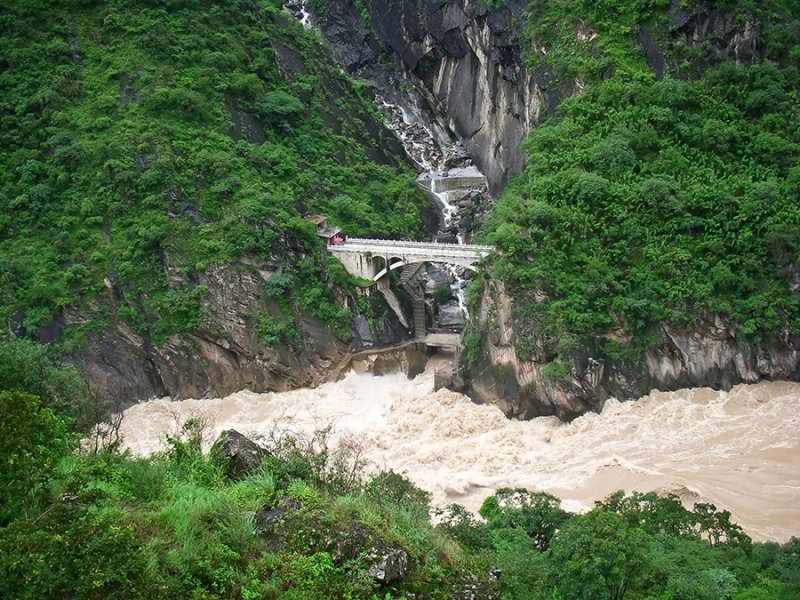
x: 142, y: 143
x: 305, y: 522
x: 655, y: 201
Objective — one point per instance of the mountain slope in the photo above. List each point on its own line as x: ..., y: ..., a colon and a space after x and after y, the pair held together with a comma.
x: 652, y: 240
x: 146, y: 147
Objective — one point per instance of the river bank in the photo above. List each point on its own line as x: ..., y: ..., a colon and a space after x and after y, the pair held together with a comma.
x: 737, y: 449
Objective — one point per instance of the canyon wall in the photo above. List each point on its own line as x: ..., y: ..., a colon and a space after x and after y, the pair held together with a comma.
x: 463, y: 58
x: 707, y: 354
x: 466, y: 60
x: 226, y: 353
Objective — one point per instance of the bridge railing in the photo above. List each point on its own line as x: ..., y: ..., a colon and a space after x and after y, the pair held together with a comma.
x: 411, y: 244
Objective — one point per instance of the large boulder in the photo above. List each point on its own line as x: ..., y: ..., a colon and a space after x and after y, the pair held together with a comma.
x: 388, y: 564
x: 243, y: 455
x: 451, y: 315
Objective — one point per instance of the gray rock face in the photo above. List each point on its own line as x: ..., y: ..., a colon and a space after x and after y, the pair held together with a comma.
x: 711, y: 35
x: 361, y: 332
x: 346, y: 31
x: 244, y: 455
x: 464, y: 58
x: 705, y: 354
x: 451, y: 315
x: 225, y: 355
x: 388, y: 565
x: 436, y: 280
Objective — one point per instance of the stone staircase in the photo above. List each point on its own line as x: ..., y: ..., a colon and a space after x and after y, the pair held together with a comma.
x: 409, y: 281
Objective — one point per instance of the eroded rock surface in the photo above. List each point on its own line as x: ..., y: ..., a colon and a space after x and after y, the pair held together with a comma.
x: 225, y: 355
x: 464, y: 59
x: 707, y: 353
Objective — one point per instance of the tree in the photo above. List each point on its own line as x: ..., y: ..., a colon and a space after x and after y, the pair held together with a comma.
x: 599, y: 557
x: 32, y: 440
x: 538, y: 514
x: 26, y: 366
x: 717, y: 527
x: 280, y: 108
x: 652, y: 513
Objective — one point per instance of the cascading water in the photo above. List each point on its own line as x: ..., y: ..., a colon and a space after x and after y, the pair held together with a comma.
x: 297, y: 8
x: 432, y: 154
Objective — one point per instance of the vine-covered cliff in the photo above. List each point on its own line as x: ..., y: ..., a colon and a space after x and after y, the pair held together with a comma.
x: 652, y: 239
x: 157, y: 162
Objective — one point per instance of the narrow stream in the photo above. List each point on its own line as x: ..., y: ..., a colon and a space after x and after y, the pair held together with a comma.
x: 297, y: 8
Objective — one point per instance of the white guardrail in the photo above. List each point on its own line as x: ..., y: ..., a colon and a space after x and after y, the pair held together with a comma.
x: 409, y: 247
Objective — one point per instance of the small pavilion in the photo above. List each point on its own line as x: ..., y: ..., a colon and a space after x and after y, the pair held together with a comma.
x: 332, y: 235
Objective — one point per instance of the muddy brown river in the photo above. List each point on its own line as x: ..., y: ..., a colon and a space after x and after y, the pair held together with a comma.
x: 738, y: 449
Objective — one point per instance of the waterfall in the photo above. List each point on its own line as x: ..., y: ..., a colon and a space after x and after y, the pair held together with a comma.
x: 446, y: 169
x: 297, y: 8
x: 446, y: 185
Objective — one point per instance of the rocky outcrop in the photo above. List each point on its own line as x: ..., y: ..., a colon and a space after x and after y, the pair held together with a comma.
x: 707, y: 353
x: 706, y: 37
x: 409, y: 358
x: 285, y: 525
x: 463, y: 57
x: 269, y: 518
x: 387, y: 564
x: 242, y: 456
x: 224, y: 355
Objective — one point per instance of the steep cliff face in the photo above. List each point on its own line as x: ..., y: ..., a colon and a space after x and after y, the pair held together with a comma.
x: 226, y: 354
x: 466, y: 61
x: 467, y: 58
x: 223, y: 356
x: 517, y: 366
x: 705, y: 354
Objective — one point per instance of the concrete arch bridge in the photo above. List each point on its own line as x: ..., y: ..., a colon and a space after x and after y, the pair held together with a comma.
x: 373, y: 259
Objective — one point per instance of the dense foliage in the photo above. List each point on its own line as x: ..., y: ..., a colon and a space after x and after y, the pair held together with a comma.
x: 308, y: 523
x: 188, y: 132
x: 160, y: 136
x: 656, y: 201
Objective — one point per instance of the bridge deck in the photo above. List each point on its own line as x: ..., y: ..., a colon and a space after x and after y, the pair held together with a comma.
x: 424, y: 249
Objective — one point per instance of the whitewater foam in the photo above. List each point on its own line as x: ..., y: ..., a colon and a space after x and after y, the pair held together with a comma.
x: 739, y: 450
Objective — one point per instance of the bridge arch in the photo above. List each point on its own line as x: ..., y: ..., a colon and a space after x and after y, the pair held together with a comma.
x: 373, y: 259
x: 377, y: 265
x: 393, y: 263
x: 402, y: 263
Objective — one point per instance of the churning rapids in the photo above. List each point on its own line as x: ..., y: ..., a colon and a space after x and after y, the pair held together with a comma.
x: 739, y: 450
